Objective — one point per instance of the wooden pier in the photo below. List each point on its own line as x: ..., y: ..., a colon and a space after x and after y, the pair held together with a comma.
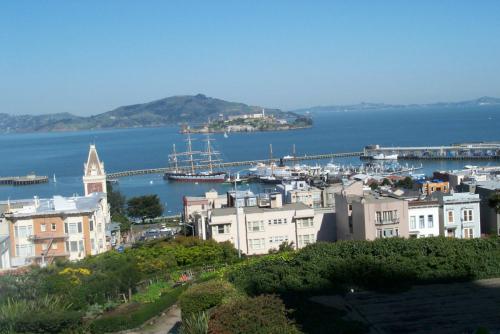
x: 238, y: 163
x: 23, y: 180
x: 464, y: 151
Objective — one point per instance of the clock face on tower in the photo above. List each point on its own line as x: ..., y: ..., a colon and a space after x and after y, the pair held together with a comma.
x: 94, y: 188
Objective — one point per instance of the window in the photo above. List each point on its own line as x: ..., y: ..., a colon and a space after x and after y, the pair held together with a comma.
x: 468, y: 233
x: 80, y: 244
x: 79, y: 227
x: 350, y: 207
x: 306, y: 239
x: 74, y: 246
x: 54, y: 246
x: 256, y: 244
x: 278, y: 239
x: 220, y: 229
x: 305, y: 222
x: 284, y: 221
x: 413, y: 224
x: 23, y: 231
x: 430, y: 221
x: 53, y: 227
x: 24, y: 250
x: 44, y: 246
x: 92, y: 244
x: 101, y: 245
x: 43, y: 227
x: 91, y: 225
x: 388, y: 232
x: 421, y: 221
x: 450, y: 216
x: 256, y: 226
x: 379, y: 233
x: 72, y: 228
x: 467, y: 215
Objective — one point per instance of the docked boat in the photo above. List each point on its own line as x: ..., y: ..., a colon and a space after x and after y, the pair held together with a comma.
x: 186, y: 165
x: 382, y: 156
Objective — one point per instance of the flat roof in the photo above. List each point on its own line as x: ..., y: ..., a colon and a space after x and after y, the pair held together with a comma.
x: 255, y: 209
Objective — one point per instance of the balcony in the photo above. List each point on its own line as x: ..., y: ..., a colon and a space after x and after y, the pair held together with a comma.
x: 47, y: 236
x: 389, y: 221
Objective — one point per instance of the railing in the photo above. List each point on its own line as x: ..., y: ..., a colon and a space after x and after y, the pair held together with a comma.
x: 387, y: 221
x: 47, y: 236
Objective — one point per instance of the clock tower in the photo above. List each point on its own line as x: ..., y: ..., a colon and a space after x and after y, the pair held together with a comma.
x: 94, y: 176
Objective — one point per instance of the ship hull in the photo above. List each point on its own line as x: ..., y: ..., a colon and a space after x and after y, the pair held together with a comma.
x: 187, y: 177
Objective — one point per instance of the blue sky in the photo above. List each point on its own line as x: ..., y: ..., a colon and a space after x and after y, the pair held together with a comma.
x: 87, y: 57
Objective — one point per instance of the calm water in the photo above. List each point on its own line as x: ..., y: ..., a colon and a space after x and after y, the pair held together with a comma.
x: 63, y: 154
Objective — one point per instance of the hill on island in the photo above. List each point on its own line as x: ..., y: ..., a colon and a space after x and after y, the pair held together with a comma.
x: 482, y: 101
x: 168, y: 111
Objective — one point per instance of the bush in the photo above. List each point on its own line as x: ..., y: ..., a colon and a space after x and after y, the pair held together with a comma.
x: 133, y: 319
x: 195, y: 323
x: 201, y: 297
x: 152, y: 293
x: 43, y: 315
x: 371, y: 264
x: 260, y: 315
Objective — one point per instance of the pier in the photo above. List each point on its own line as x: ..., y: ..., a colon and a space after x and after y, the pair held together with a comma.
x: 238, y: 163
x: 465, y: 151
x: 23, y: 180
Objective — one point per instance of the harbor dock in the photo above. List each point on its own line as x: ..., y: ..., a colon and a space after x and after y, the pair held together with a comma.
x: 23, y: 180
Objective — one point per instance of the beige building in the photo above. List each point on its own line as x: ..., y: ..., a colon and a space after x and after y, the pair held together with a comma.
x: 42, y: 230
x: 266, y: 226
x: 370, y: 216
x: 196, y: 210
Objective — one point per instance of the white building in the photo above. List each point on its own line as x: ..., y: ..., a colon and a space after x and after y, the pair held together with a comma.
x: 300, y: 191
x: 423, y: 219
x: 459, y: 215
x: 263, y: 228
x: 41, y: 230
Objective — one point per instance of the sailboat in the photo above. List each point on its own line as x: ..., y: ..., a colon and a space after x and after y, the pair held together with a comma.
x: 185, y: 164
x: 54, y: 179
x: 225, y: 135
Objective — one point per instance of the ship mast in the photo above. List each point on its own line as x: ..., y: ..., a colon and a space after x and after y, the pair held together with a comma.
x: 174, y: 154
x: 209, y: 153
x: 190, y: 153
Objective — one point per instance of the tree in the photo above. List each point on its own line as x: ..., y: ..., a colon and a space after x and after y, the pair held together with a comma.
x: 406, y: 183
x: 386, y: 182
x: 494, y: 201
x: 148, y: 206
x: 116, y: 201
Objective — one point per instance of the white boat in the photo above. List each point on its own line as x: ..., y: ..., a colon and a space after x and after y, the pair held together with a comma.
x: 225, y: 135
x: 382, y: 156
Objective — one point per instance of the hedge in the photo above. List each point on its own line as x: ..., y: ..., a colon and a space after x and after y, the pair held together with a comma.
x: 203, y: 296
x: 264, y: 314
x: 393, y: 263
x: 145, y: 312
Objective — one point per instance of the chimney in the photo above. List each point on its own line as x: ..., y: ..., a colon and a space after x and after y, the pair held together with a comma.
x: 276, y: 200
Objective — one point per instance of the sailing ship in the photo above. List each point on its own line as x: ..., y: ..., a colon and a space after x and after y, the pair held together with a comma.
x: 185, y: 165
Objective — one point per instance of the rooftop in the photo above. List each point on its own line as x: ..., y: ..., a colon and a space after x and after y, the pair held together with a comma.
x: 55, y: 205
x: 255, y: 209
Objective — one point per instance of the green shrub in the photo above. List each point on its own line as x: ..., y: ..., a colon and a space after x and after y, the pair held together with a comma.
x: 135, y: 318
x: 152, y: 293
x: 195, y: 323
x: 264, y: 314
x: 375, y: 265
x: 203, y: 296
x: 43, y: 315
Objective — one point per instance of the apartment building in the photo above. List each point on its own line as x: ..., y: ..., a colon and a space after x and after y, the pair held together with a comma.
x: 490, y: 219
x: 41, y: 230
x: 427, y: 187
x: 300, y: 191
x: 423, y: 217
x: 459, y: 215
x: 370, y: 216
x: 196, y: 210
x: 259, y: 229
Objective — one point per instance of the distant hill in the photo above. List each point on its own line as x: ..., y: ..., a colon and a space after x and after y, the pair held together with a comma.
x: 482, y: 101
x: 167, y: 111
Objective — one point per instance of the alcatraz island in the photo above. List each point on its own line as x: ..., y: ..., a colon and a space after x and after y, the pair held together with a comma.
x: 249, y: 123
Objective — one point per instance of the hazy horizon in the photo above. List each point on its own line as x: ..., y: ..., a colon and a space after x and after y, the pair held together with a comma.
x: 90, y: 57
